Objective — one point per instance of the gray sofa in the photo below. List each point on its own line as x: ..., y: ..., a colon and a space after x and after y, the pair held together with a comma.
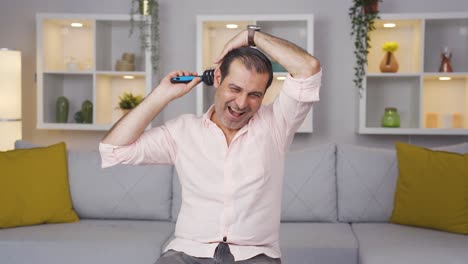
x: 337, y: 201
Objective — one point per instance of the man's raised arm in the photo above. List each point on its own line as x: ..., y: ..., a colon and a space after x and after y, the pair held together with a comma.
x: 131, y: 126
x: 298, y: 62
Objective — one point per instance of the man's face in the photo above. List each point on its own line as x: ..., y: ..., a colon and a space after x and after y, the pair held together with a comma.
x: 238, y: 97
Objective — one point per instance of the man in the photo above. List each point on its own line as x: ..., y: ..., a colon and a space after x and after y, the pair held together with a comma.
x: 230, y: 161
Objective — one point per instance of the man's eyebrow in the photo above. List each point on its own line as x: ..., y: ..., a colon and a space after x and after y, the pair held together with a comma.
x: 233, y: 85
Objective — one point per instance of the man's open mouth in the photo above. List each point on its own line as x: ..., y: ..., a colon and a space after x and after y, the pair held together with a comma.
x: 235, y: 113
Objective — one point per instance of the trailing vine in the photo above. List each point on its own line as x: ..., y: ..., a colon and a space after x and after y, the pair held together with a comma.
x: 362, y: 23
x: 148, y: 27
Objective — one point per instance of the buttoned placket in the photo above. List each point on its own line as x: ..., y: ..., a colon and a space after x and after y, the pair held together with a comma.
x: 228, y: 209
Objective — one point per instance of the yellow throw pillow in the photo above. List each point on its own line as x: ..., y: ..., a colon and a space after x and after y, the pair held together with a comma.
x: 34, y: 187
x: 432, y: 189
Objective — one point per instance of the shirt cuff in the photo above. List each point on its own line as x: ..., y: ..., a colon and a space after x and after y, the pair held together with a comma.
x: 108, y: 157
x: 303, y: 90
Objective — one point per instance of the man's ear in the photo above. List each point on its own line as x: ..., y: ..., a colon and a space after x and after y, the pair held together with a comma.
x: 217, y: 78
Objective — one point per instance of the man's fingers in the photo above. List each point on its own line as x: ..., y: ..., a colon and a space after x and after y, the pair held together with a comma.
x: 223, y: 53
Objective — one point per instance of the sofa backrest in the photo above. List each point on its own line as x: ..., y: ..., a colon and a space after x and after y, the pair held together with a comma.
x: 366, y: 181
x: 118, y: 192
x: 309, y: 190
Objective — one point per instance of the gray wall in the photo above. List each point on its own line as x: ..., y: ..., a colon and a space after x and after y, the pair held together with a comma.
x: 335, y: 115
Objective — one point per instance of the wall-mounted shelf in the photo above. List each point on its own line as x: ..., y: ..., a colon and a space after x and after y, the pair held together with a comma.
x: 79, y: 63
x: 427, y: 104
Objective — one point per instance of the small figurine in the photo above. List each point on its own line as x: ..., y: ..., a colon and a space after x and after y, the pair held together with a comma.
x: 445, y: 65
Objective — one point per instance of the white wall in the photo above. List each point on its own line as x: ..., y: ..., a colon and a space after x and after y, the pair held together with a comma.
x: 335, y: 115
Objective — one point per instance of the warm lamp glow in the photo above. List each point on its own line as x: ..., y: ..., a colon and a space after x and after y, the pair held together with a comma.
x: 445, y: 78
x: 10, y: 98
x: 232, y: 26
x: 389, y: 25
x: 129, y: 77
x: 281, y: 78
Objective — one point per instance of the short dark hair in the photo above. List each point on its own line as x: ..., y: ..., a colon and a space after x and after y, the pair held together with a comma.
x: 251, y: 58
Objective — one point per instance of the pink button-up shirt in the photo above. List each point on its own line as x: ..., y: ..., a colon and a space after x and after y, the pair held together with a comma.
x: 234, y: 191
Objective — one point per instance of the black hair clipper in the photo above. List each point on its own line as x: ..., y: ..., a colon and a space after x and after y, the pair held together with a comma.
x: 207, y: 78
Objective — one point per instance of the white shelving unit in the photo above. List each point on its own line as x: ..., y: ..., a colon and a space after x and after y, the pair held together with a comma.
x: 212, y: 34
x: 93, y: 49
x: 415, y: 89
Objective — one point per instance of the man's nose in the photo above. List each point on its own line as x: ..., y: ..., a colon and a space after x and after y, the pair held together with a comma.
x: 241, y: 101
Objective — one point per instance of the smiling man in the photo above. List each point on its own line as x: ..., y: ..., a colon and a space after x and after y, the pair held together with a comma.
x: 241, y: 82
x: 230, y: 160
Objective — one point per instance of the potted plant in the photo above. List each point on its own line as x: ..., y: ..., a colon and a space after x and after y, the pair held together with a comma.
x: 363, y: 14
x: 148, y: 27
x: 128, y: 101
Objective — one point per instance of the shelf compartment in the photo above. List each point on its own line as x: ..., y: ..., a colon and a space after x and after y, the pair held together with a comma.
x: 294, y: 31
x: 445, y: 102
x: 111, y: 85
x: 76, y: 87
x: 441, y: 33
x: 389, y: 91
x: 408, y: 34
x: 215, y: 35
x: 274, y: 89
x: 67, y: 48
x: 113, y: 40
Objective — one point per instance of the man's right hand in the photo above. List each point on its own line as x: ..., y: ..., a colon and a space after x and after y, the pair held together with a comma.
x: 176, y: 90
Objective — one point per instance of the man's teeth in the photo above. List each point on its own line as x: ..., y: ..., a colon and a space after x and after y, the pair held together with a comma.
x: 235, y: 111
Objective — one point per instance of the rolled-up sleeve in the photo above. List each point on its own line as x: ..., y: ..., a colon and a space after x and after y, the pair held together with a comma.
x: 303, y: 90
x: 108, y: 156
x: 292, y: 105
x: 155, y: 146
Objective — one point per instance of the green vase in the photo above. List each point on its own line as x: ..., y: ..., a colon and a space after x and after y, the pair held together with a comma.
x: 62, y: 106
x: 87, y: 112
x: 391, y: 118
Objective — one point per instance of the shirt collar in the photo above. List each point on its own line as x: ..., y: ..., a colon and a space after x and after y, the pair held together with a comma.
x: 206, y: 118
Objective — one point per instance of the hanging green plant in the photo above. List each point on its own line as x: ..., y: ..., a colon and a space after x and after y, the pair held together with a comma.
x: 148, y: 27
x: 363, y: 14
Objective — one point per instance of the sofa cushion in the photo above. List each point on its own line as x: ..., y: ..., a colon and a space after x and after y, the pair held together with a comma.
x: 305, y: 243
x: 432, y: 189
x: 386, y: 243
x: 118, y: 192
x: 461, y: 148
x: 309, y: 192
x: 34, y: 187
x: 87, y: 241
x: 366, y: 183
x: 367, y: 180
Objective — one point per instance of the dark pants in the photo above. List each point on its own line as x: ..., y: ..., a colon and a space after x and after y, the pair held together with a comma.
x: 222, y: 255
